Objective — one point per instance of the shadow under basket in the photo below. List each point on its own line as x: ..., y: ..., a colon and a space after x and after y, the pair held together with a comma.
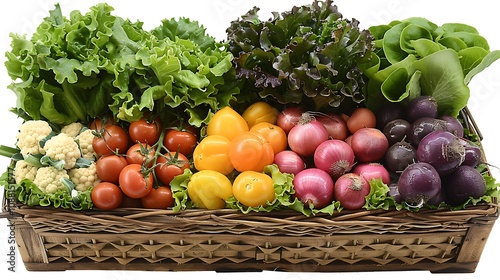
x: 439, y: 240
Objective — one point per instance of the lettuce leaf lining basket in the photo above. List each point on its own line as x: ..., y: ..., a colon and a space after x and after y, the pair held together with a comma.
x: 437, y: 240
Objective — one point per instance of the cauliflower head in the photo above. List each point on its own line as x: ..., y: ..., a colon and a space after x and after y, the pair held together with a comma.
x: 84, y: 178
x: 84, y: 140
x: 49, y: 179
x: 24, y: 170
x: 72, y: 129
x: 30, y: 134
x: 63, y: 147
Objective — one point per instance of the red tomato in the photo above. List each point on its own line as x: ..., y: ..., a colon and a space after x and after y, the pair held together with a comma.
x: 158, y: 198
x: 141, y: 154
x: 106, y: 196
x: 109, y: 167
x: 134, y: 183
x: 144, y: 131
x: 184, y: 141
x: 170, y: 165
x: 101, y: 122
x: 111, y: 139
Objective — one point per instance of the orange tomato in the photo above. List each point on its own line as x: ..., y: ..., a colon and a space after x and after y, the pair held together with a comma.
x: 227, y: 122
x: 212, y: 153
x: 250, y: 151
x: 260, y: 112
x: 253, y: 189
x: 272, y: 133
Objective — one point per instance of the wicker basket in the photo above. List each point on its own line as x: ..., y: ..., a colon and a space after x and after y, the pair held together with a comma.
x: 228, y: 240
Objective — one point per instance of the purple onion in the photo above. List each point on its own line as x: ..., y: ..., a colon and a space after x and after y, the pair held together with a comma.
x: 465, y: 182
x: 453, y: 125
x: 418, y: 183
x: 420, y: 107
x: 441, y: 149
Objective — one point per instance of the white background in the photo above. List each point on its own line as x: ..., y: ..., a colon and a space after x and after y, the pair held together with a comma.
x: 22, y: 16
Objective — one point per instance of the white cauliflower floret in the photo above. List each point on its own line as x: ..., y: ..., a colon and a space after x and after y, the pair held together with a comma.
x: 72, y: 129
x: 29, y: 136
x: 49, y: 179
x: 24, y: 170
x: 63, y: 147
x: 84, y: 178
x: 85, y: 139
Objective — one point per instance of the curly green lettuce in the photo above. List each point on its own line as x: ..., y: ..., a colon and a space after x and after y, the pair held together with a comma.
x: 78, y: 67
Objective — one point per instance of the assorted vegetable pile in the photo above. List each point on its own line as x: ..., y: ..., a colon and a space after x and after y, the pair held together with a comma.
x: 304, y: 111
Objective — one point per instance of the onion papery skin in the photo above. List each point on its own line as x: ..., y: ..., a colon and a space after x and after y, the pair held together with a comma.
x: 289, y: 117
x: 373, y: 170
x: 306, y: 136
x: 289, y: 162
x: 335, y: 157
x: 314, y: 187
x: 351, y: 190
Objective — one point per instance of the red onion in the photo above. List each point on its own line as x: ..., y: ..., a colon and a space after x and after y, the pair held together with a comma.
x: 369, y: 144
x: 335, y: 157
x: 335, y: 125
x: 289, y: 117
x: 304, y: 137
x: 289, y: 162
x: 371, y: 171
x: 351, y: 190
x: 314, y: 187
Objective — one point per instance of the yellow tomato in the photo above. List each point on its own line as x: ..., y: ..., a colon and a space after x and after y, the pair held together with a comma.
x: 227, y: 122
x: 250, y: 151
x: 260, y: 112
x: 212, y: 153
x: 274, y: 134
x: 209, y: 189
x: 253, y: 189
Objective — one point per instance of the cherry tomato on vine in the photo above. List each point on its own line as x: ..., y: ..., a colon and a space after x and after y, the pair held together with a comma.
x: 274, y: 134
x: 170, y: 165
x: 158, y: 198
x: 135, y: 181
x: 145, y: 131
x: 106, y: 196
x: 250, y: 151
x: 227, y: 122
x: 253, y: 189
x: 182, y: 140
x: 111, y: 139
x: 108, y: 167
x: 212, y: 153
x: 141, y: 153
x: 260, y: 112
x: 101, y: 122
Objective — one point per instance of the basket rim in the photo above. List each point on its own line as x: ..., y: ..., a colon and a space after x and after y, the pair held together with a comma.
x: 482, y: 209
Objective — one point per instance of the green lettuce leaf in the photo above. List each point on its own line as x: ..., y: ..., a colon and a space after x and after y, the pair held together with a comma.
x: 27, y: 193
x: 447, y: 57
x: 379, y: 197
x: 283, y: 189
x: 78, y: 67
